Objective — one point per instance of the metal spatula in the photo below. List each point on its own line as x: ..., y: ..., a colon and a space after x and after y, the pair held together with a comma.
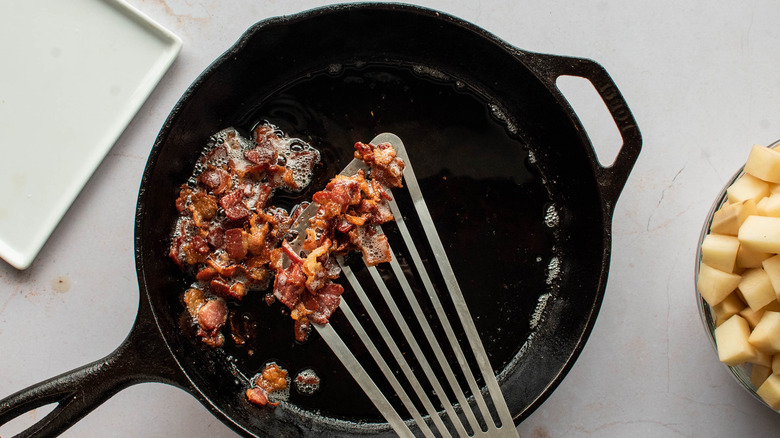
x: 419, y: 358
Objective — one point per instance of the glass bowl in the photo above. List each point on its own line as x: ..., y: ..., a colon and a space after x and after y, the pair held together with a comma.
x: 740, y: 372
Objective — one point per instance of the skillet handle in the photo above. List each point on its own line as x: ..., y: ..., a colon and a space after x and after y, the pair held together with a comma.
x: 142, y: 357
x: 612, y: 178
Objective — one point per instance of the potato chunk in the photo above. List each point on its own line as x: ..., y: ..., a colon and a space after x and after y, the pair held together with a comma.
x: 752, y: 316
x: 769, y: 206
x: 747, y: 187
x: 730, y: 306
x: 714, y: 285
x: 759, y: 374
x: 769, y: 391
x: 730, y: 217
x: 732, y: 340
x: 720, y: 251
x: 772, y: 268
x: 747, y: 258
x: 760, y: 233
x: 764, y: 163
x: 766, y: 334
x: 756, y: 288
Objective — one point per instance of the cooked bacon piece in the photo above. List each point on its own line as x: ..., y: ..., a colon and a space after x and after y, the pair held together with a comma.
x: 215, y: 179
x: 301, y: 329
x: 288, y: 177
x: 373, y: 211
x: 264, y: 154
x: 221, y: 287
x: 290, y: 252
x: 273, y: 378
x: 289, y: 284
x: 203, y: 208
x: 216, y: 236
x: 206, y: 274
x: 312, y: 266
x: 328, y: 299
x: 212, y: 315
x: 194, y: 298
x: 257, y: 396
x: 375, y: 247
x: 386, y: 167
x: 234, y: 206
x: 265, y: 136
x: 190, y: 250
x: 257, y: 237
x: 213, y: 339
x: 184, y: 198
x: 235, y: 244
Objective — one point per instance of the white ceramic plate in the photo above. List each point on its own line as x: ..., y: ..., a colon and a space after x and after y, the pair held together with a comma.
x: 74, y: 73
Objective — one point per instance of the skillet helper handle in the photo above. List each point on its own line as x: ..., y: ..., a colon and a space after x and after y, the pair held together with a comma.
x: 612, y: 178
x: 142, y: 357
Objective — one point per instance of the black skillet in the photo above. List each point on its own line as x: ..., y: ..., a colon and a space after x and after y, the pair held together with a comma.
x: 509, y: 174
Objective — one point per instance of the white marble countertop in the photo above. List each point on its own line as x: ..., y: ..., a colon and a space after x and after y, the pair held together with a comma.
x: 703, y: 81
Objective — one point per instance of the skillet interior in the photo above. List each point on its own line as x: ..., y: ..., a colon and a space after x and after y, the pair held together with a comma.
x: 493, y: 149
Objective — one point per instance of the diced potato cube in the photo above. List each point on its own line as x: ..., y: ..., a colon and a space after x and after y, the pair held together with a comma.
x: 774, y: 188
x: 772, y: 268
x: 730, y: 217
x: 770, y: 206
x: 758, y: 374
x: 760, y: 233
x: 762, y: 359
x: 769, y: 391
x: 747, y: 258
x: 747, y: 187
x: 774, y: 306
x: 764, y: 163
x: 730, y: 306
x: 720, y: 251
x: 756, y: 288
x: 714, y: 285
x: 731, y: 338
x: 766, y: 335
x: 752, y: 316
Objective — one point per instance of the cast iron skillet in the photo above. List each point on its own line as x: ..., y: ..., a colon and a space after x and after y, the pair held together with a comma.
x: 505, y: 165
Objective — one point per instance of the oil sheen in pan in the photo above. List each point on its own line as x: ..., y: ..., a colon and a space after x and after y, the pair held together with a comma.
x: 491, y: 206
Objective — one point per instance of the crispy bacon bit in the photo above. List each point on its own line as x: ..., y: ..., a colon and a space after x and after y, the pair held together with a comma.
x: 263, y: 155
x: 221, y: 287
x: 301, y: 329
x: 203, y: 208
x: 235, y: 244
x: 257, y: 396
x: 193, y: 299
x: 212, y: 315
x: 272, y: 379
x: 375, y: 247
x: 206, y: 274
x: 386, y: 167
x: 328, y: 299
x: 214, y: 179
x: 289, y: 284
x: 289, y: 252
x: 234, y: 206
